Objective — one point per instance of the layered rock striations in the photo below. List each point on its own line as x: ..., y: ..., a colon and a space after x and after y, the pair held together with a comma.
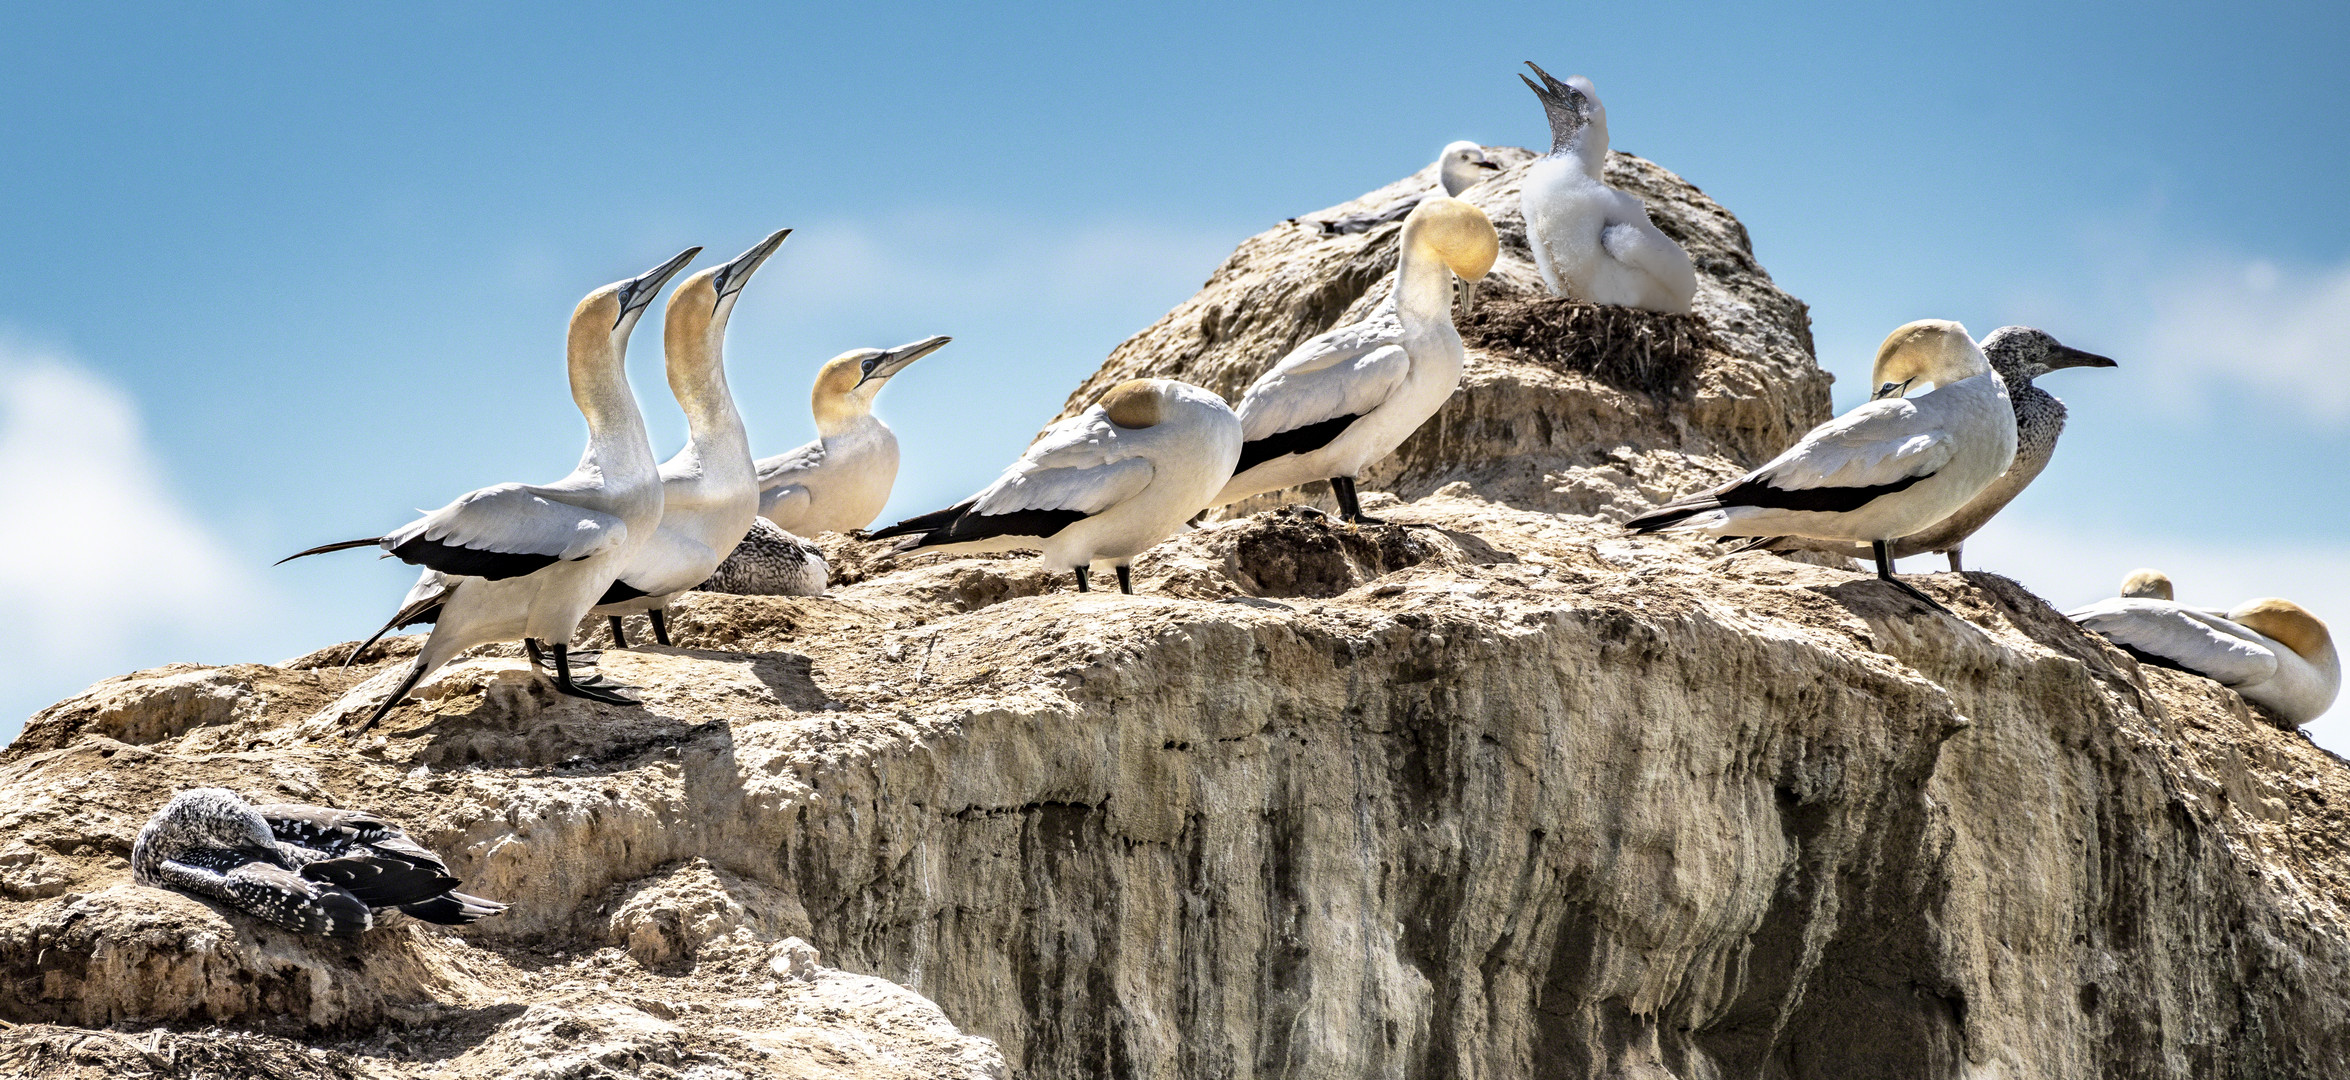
x: 1497, y: 793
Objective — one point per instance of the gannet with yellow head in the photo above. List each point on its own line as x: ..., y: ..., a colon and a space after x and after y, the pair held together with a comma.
x: 1884, y: 470
x: 1592, y: 242
x: 527, y: 561
x: 1101, y: 486
x: 2273, y: 652
x: 840, y: 482
x: 1349, y: 397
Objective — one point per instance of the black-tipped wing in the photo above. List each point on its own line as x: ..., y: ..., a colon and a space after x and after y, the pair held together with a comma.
x: 346, y: 832
x: 380, y: 882
x: 505, y: 531
x: 620, y: 591
x: 453, y: 909
x: 1299, y: 440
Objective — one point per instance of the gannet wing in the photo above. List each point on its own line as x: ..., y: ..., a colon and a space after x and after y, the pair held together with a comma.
x: 2175, y: 635
x: 504, y: 531
x: 1644, y: 247
x: 337, y: 832
x: 782, y: 468
x: 1875, y: 450
x: 378, y: 881
x: 1323, y: 380
x: 672, y: 563
x: 1076, y: 469
x: 1369, y: 219
x: 783, y: 500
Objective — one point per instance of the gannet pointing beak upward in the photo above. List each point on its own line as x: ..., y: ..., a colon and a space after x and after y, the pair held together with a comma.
x: 1592, y: 242
x: 2273, y: 652
x: 840, y: 482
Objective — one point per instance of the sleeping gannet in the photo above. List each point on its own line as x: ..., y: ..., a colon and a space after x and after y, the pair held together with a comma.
x: 2018, y: 354
x: 710, y: 490
x: 2273, y: 652
x: 1461, y: 166
x: 771, y: 562
x: 1592, y: 242
x: 1102, y: 485
x: 1349, y: 397
x: 840, y: 482
x: 209, y: 843
x: 1884, y: 470
x: 528, y: 561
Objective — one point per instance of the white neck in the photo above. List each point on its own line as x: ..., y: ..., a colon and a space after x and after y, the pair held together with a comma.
x: 1423, y: 284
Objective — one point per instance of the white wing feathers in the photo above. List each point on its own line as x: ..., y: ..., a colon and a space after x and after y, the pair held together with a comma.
x: 1879, y: 443
x: 782, y: 468
x: 2198, y: 640
x: 516, y: 519
x: 1331, y: 376
x: 1639, y: 244
x: 1078, y: 464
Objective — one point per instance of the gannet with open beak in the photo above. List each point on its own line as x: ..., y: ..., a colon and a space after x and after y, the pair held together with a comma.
x: 527, y: 561
x: 840, y: 482
x: 710, y: 490
x: 2018, y: 355
x: 2273, y: 652
x: 1592, y: 242
x: 1887, y: 469
x: 1348, y: 398
x: 1101, y: 486
x: 1461, y: 166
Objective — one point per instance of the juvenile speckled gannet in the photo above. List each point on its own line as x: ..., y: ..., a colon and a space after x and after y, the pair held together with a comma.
x: 2018, y: 355
x: 1460, y: 167
x: 1349, y: 397
x: 710, y: 490
x: 1592, y: 242
x: 840, y: 482
x: 209, y: 843
x: 1884, y: 470
x: 528, y: 561
x: 1103, y: 485
x: 771, y: 562
x: 2273, y: 652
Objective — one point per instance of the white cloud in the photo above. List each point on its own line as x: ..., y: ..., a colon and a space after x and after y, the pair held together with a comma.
x: 100, y: 556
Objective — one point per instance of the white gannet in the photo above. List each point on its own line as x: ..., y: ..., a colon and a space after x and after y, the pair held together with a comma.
x: 1461, y: 166
x: 840, y: 482
x: 207, y: 842
x: 1884, y: 470
x: 2018, y: 355
x: 2273, y: 652
x: 1101, y: 486
x: 527, y: 561
x: 771, y: 562
x: 1592, y: 242
x: 710, y: 489
x: 1349, y: 397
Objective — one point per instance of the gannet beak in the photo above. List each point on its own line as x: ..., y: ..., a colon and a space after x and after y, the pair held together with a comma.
x: 2066, y: 356
x: 1468, y: 295
x: 638, y: 291
x: 1483, y: 164
x: 734, y: 275
x: 900, y: 358
x: 1891, y: 390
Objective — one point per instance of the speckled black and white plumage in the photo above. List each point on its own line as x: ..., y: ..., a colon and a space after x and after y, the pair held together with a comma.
x: 209, y: 843
x: 771, y: 562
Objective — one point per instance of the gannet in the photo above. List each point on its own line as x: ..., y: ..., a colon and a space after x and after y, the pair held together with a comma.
x: 1592, y: 242
x: 209, y: 843
x: 310, y: 835
x: 1349, y: 397
x: 1101, y: 486
x: 2273, y: 652
x: 840, y: 482
x: 1461, y: 166
x: 710, y: 490
x: 2018, y: 354
x: 528, y: 561
x: 771, y: 562
x: 1884, y: 470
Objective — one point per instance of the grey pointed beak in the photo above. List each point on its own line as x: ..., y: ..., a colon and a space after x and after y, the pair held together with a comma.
x: 640, y: 290
x: 1891, y: 390
x: 734, y: 275
x: 902, y: 357
x: 1488, y: 165
x: 2066, y: 356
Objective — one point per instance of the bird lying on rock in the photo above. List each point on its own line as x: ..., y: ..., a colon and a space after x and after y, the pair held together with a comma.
x: 1101, y: 486
x: 1887, y: 469
x: 2273, y: 652
x: 1347, y: 398
x: 1461, y: 166
x: 308, y: 869
x: 771, y: 562
x: 2018, y: 354
x: 1592, y: 242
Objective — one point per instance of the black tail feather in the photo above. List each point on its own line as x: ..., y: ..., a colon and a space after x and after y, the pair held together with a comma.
x: 453, y: 909
x: 936, y: 519
x: 322, y: 549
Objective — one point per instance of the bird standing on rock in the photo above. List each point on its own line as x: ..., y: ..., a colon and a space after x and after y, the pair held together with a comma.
x: 1101, y: 486
x: 1592, y: 242
x: 840, y: 482
x: 2273, y: 652
x: 1461, y: 166
x: 527, y: 561
x: 1349, y: 397
x: 1887, y: 469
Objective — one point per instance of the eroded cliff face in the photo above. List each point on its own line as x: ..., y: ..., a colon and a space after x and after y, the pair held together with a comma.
x: 1498, y: 792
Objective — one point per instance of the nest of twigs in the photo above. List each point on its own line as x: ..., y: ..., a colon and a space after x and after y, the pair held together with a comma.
x: 1628, y: 348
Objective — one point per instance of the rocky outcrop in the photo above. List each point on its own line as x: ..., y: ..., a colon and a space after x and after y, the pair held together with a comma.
x: 1496, y: 792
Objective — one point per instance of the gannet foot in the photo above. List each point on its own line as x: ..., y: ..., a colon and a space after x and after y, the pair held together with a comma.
x: 594, y: 690
x: 1366, y: 519
x: 1920, y: 595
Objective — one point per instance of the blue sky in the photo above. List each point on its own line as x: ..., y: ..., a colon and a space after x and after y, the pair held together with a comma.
x: 277, y: 276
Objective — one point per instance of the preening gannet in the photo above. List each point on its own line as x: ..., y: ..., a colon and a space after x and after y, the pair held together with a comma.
x: 771, y: 562
x: 1885, y: 470
x: 2273, y: 652
x: 528, y: 561
x: 209, y: 843
x: 710, y: 490
x: 1349, y: 397
x: 1461, y: 166
x: 2018, y: 354
x: 1101, y: 486
x: 840, y: 482
x: 1592, y: 242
